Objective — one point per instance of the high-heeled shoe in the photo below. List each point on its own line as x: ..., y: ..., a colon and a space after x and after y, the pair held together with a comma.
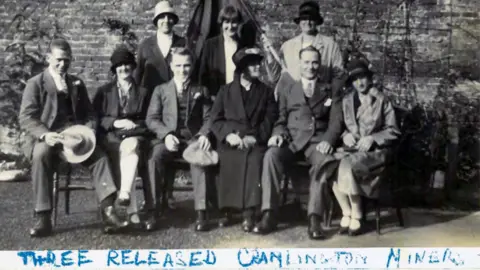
x: 357, y: 231
x: 124, y: 201
x: 344, y: 225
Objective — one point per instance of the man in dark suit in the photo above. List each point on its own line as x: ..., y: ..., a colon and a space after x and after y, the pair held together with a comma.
x: 179, y: 114
x: 52, y: 101
x: 154, y: 53
x: 309, y: 125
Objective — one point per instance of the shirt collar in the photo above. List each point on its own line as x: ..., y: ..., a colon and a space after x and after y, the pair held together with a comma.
x: 305, y: 82
x: 123, y: 90
x: 162, y: 36
x: 246, y: 84
x: 181, y: 85
x: 55, y: 74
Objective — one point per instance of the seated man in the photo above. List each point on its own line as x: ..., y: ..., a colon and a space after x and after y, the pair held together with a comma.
x: 52, y: 101
x: 310, y: 114
x: 371, y: 127
x: 178, y: 114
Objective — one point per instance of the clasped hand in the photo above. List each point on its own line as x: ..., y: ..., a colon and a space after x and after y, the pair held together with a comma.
x: 124, y: 124
x: 364, y: 144
x: 235, y: 140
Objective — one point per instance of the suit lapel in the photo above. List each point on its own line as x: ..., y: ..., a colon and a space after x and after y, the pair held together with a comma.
x: 377, y: 103
x: 221, y: 55
x: 254, y: 100
x: 73, y: 92
x: 236, y: 96
x: 160, y: 61
x: 349, y: 114
x: 172, y: 93
x: 49, y: 83
x: 320, y: 94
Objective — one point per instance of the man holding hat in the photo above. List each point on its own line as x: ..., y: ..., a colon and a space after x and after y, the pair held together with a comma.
x: 178, y: 115
x: 308, y: 19
x: 52, y: 102
x: 243, y: 114
x: 154, y: 53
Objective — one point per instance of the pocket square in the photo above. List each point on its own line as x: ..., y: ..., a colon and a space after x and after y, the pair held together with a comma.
x: 328, y: 102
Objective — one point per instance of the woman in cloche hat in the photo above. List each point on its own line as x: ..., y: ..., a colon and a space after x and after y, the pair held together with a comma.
x: 371, y: 129
x: 122, y: 106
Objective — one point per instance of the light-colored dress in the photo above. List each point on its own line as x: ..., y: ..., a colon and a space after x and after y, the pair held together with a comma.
x: 360, y: 173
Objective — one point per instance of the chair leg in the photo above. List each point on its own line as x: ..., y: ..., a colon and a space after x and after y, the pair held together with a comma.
x: 377, y: 216
x: 285, y: 190
x: 330, y: 214
x: 55, y: 198
x: 67, y: 190
x: 400, y: 216
x: 364, y: 209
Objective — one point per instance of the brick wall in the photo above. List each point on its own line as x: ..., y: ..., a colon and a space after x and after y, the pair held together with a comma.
x: 437, y: 29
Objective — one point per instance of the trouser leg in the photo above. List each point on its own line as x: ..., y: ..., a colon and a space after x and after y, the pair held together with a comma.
x: 101, y: 172
x: 159, y: 156
x: 274, y: 163
x: 323, y: 168
x: 42, y: 176
x: 199, y: 186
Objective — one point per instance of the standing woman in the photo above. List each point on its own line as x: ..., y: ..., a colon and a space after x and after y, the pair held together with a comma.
x: 244, y: 114
x: 216, y: 67
x: 371, y: 128
x: 122, y: 106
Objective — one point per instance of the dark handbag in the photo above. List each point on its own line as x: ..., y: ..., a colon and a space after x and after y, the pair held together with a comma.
x: 140, y: 131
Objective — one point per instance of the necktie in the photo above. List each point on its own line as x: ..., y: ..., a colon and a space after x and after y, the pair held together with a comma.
x: 309, y: 90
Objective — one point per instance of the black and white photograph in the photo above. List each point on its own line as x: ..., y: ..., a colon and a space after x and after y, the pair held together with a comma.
x: 229, y: 124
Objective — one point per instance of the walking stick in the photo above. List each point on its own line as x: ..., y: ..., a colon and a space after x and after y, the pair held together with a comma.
x: 248, y: 11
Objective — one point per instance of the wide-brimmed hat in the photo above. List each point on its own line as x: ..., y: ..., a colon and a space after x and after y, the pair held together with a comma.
x: 78, y: 144
x: 357, y: 67
x: 194, y: 154
x: 245, y: 56
x: 164, y: 7
x: 309, y: 11
x: 122, y: 56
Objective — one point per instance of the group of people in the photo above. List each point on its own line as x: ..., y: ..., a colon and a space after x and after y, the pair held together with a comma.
x: 322, y: 110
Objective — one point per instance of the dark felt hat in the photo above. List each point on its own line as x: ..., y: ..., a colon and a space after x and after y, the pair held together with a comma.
x: 309, y: 10
x: 357, y: 67
x: 120, y: 56
x: 245, y: 56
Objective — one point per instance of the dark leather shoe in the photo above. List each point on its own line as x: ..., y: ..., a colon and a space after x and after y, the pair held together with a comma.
x: 315, y: 231
x: 343, y: 230
x: 110, y: 219
x: 125, y: 202
x: 267, y: 224
x: 42, y: 227
x: 151, y: 223
x: 247, y: 224
x: 201, y: 224
x: 355, y: 232
x: 225, y: 221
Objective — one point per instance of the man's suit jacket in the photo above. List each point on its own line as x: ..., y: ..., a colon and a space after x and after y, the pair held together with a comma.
x: 153, y: 68
x: 38, y: 110
x: 211, y: 69
x: 302, y: 122
x: 331, y: 58
x: 107, y: 105
x: 162, y: 115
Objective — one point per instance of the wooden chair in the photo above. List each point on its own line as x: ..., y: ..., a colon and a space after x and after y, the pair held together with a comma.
x: 66, y: 188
